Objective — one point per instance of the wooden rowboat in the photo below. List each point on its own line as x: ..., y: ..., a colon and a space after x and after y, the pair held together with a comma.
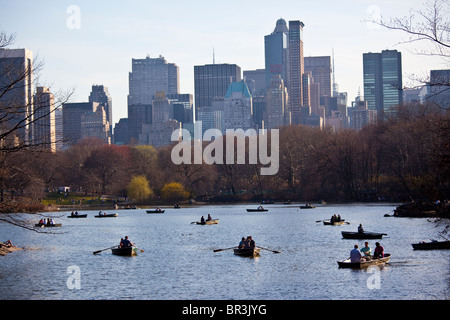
x: 48, y: 225
x: 111, y: 215
x: 307, y: 206
x: 213, y: 221
x: 433, y: 245
x: 334, y: 223
x: 247, y: 252
x: 257, y: 210
x: 78, y: 216
x: 155, y: 211
x: 126, y: 251
x: 364, y: 264
x: 362, y: 235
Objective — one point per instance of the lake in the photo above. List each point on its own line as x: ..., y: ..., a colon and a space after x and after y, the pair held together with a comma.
x: 178, y: 261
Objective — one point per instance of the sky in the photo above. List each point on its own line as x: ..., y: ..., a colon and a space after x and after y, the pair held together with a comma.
x: 82, y: 43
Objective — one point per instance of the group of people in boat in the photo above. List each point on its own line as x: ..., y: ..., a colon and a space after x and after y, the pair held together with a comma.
x: 202, y: 219
x: 125, y: 242
x: 336, y: 218
x: 247, y: 243
x: 7, y: 244
x: 365, y: 253
x: 74, y: 214
x: 102, y: 214
x: 46, y: 222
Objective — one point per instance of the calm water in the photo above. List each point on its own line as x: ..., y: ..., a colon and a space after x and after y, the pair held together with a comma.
x: 179, y: 262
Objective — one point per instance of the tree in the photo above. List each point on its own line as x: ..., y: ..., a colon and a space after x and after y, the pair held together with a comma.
x: 174, y: 191
x: 138, y: 189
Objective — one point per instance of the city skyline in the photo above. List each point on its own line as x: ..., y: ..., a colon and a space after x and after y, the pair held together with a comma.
x: 111, y: 34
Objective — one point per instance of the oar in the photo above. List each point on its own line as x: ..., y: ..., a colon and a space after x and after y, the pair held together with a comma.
x: 319, y: 221
x: 138, y: 248
x: 274, y: 251
x: 217, y: 250
x: 95, y: 252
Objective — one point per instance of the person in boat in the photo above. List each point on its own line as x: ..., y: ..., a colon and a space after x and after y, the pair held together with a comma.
x: 51, y: 222
x: 202, y: 220
x: 76, y: 213
x: 7, y: 244
x: 241, y: 243
x: 126, y: 243
x: 249, y: 243
x: 41, y: 222
x: 355, y: 255
x: 379, y: 251
x: 260, y: 208
x: 209, y: 217
x: 72, y: 214
x: 338, y: 218
x: 100, y: 213
x: 366, y: 250
x: 360, y: 228
x: 121, y: 243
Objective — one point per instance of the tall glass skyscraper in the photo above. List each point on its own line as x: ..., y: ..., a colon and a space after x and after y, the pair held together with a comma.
x: 276, y: 52
x: 383, y: 81
x: 296, y: 68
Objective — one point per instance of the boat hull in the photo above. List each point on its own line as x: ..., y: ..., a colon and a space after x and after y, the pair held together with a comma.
x: 431, y: 245
x: 335, y: 223
x: 78, y: 216
x: 48, y: 225
x: 155, y: 211
x: 247, y: 252
x: 364, y: 264
x: 363, y: 235
x: 208, y: 222
x: 114, y: 215
x: 257, y: 210
x: 128, y: 251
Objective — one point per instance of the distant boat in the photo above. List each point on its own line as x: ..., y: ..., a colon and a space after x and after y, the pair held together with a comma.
x: 257, y: 210
x: 155, y: 211
x: 48, y: 225
x: 362, y: 235
x: 111, y: 215
x: 207, y: 222
x: 334, y: 223
x: 307, y: 206
x: 78, y: 216
x: 364, y: 264
x: 433, y: 245
x: 247, y: 252
x: 126, y: 251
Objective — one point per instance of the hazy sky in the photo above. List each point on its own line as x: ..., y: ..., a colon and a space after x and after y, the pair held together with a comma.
x: 111, y: 33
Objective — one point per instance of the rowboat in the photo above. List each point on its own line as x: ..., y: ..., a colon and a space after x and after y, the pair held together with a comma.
x: 213, y: 221
x: 334, y: 223
x: 111, y: 215
x: 433, y: 245
x: 362, y: 235
x: 78, y: 216
x: 364, y: 264
x: 257, y: 210
x: 247, y: 252
x: 48, y: 225
x: 125, y: 251
x: 307, y: 206
x: 156, y: 211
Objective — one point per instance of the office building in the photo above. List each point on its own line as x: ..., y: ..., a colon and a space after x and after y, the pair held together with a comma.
x: 382, y: 75
x: 296, y: 69
x: 276, y: 52
x: 16, y: 93
x: 71, y: 120
x: 276, y: 108
x: 256, y: 81
x: 238, y: 110
x: 94, y: 124
x: 121, y: 132
x: 212, y: 81
x: 101, y: 95
x: 321, y: 71
x: 438, y: 88
x: 44, y: 124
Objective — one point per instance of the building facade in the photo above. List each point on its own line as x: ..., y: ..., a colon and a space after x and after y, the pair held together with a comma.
x: 44, y: 124
x: 276, y: 52
x: 238, y: 112
x: 296, y: 68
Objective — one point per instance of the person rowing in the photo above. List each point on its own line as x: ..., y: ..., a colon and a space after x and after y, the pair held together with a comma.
x: 126, y: 243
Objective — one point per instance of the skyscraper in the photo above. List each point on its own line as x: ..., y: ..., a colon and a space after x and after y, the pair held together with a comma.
x: 277, y: 112
x: 238, y: 107
x: 101, y: 95
x: 148, y: 76
x: 382, y: 75
x: 16, y: 92
x: 44, y: 125
x: 296, y: 68
x: 320, y: 68
x: 276, y: 52
x: 212, y: 81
